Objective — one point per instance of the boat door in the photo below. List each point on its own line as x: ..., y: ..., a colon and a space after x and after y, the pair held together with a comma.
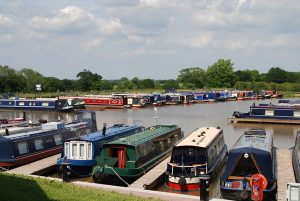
x: 120, y: 154
x: 121, y: 157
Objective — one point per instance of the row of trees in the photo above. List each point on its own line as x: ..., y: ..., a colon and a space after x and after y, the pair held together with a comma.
x: 219, y: 75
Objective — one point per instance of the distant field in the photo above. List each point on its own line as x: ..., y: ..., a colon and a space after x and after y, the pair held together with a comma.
x: 25, y: 188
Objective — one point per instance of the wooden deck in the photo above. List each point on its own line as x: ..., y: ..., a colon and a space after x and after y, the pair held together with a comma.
x: 285, y: 172
x: 38, y: 167
x: 270, y: 121
x: 149, y: 180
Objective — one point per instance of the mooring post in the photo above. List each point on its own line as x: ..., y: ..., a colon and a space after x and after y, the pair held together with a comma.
x: 204, y: 187
x: 66, y: 172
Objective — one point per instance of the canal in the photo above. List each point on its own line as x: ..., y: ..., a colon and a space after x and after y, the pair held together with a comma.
x: 188, y: 117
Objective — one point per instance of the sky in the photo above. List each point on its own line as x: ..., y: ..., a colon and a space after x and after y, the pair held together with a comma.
x: 147, y: 38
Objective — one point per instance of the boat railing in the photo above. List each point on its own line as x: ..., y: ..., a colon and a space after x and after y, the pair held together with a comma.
x: 197, y: 168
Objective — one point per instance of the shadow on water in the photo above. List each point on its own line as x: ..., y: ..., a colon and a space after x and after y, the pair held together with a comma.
x: 15, y: 188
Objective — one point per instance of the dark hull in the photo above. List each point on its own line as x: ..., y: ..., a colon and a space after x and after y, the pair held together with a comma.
x: 245, y: 195
x: 250, y: 116
x: 36, y: 109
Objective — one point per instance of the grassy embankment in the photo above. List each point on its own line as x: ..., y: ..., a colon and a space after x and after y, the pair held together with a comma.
x: 25, y: 188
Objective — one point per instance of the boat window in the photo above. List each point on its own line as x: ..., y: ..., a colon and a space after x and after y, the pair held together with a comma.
x: 89, y: 151
x: 81, y: 150
x: 188, y: 155
x: 21, y: 103
x: 74, y: 150
x: 296, y: 113
x: 269, y: 112
x: 23, y: 147
x: 45, y: 104
x: 67, y: 148
x: 39, y: 144
x: 58, y: 139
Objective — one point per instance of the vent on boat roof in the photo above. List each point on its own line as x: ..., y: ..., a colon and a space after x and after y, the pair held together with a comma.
x: 256, y: 132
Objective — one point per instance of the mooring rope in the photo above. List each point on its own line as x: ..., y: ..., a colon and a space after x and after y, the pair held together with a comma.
x: 117, y: 175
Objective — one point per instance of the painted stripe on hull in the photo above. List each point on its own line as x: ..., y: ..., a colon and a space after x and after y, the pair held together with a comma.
x: 32, y: 157
x: 187, y: 187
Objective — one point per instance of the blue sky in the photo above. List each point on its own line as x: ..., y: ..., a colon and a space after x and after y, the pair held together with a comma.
x: 147, y: 38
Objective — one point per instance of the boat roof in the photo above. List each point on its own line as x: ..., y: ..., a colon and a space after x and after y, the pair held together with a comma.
x: 40, y: 132
x: 144, y: 136
x: 256, y: 138
x: 111, y: 131
x: 201, y: 137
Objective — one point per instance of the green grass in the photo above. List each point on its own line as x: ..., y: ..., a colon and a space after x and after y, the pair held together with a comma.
x: 25, y: 188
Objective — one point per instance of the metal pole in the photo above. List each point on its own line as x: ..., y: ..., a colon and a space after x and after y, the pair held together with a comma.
x: 204, y: 188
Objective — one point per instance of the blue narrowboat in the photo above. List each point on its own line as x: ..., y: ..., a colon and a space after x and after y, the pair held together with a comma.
x: 80, y: 152
x: 252, y: 154
x: 35, y: 104
x: 22, y: 148
x: 270, y: 111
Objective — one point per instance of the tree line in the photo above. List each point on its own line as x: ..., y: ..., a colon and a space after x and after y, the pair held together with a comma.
x: 218, y: 75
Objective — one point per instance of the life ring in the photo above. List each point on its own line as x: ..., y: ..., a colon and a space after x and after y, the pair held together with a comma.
x: 264, y: 180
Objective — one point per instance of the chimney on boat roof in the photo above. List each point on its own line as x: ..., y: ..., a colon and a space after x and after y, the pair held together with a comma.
x: 104, y: 129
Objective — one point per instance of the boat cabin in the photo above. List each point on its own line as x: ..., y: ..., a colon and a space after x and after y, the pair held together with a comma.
x: 200, y: 153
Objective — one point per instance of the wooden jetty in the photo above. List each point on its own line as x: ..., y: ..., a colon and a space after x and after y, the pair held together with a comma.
x: 38, y: 167
x: 262, y: 120
x: 150, y: 179
x: 285, y: 172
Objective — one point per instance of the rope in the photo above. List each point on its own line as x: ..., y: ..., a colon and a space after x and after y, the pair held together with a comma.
x: 3, y: 169
x: 117, y: 175
x: 93, y: 172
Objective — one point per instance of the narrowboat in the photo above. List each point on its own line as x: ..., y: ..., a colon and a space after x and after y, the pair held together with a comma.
x: 80, y: 152
x: 76, y: 103
x: 173, y: 99
x: 95, y: 102
x: 200, y: 154
x: 59, y: 105
x: 296, y: 157
x: 22, y: 148
x: 130, y: 157
x: 252, y: 154
x: 135, y: 101
x: 270, y: 111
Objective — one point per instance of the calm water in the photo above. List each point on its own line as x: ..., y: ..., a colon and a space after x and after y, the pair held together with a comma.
x: 188, y: 117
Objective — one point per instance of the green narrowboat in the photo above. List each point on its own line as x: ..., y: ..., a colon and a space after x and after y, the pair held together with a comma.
x: 130, y: 157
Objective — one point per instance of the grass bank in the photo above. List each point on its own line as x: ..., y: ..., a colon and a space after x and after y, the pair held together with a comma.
x: 25, y: 188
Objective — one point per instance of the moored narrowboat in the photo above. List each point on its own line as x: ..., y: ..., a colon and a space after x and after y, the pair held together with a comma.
x: 199, y: 154
x: 27, y: 147
x: 252, y: 154
x: 128, y: 158
x: 59, y: 105
x: 80, y: 152
x: 270, y: 111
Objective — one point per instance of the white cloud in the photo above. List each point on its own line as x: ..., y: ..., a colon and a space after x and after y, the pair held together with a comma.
x: 70, y: 17
x: 109, y: 26
x: 6, y: 21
